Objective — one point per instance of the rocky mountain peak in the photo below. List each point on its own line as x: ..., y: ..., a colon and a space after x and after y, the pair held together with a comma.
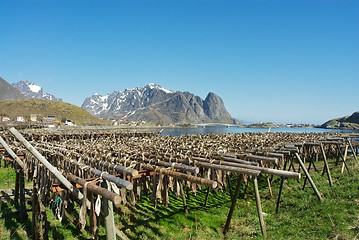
x: 354, y: 118
x: 154, y: 103
x: 32, y: 90
x: 158, y: 87
x: 214, y: 107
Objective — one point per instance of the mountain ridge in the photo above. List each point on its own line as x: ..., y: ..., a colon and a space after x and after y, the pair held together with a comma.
x: 156, y: 104
x: 151, y: 103
x: 32, y: 90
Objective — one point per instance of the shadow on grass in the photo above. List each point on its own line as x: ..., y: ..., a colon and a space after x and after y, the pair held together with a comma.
x: 12, y: 220
x: 145, y: 220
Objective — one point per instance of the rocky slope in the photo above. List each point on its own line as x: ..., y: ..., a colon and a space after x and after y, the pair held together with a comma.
x: 9, y: 92
x: 348, y: 122
x: 156, y: 104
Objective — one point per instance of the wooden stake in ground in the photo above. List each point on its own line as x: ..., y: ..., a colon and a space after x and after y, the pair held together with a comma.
x: 39, y: 220
x: 309, y: 177
x: 108, y: 214
x: 234, y: 201
x: 259, y: 208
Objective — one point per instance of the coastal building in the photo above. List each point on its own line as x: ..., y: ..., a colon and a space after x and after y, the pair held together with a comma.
x: 49, y: 119
x: 33, y: 117
x: 4, y: 118
x: 20, y: 119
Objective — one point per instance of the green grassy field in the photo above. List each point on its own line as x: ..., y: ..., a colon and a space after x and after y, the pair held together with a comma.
x: 301, y: 215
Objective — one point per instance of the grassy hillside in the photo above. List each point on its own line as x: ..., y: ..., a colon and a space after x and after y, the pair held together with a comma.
x: 348, y: 122
x: 44, y: 108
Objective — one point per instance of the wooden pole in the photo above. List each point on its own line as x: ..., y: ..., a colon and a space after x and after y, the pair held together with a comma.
x: 44, y: 229
x: 339, y: 153
x: 353, y: 151
x: 280, y: 188
x: 271, y: 171
x: 22, y: 206
x: 118, y: 181
x: 259, y: 158
x: 120, y: 169
x: 228, y: 168
x: 116, y: 199
x: 308, y: 176
x: 233, y: 204
x: 17, y: 185
x: 305, y: 180
x: 345, y: 158
x: 181, y: 176
x: 269, y: 186
x: 236, y: 160
x: 279, y: 194
x: 35, y: 208
x: 326, y: 165
x: 109, y: 177
x: 173, y: 165
x: 259, y: 208
x: 11, y: 152
x: 43, y: 160
x: 154, y: 189
x: 184, y: 198
x: 207, y: 195
x: 108, y: 214
x: 164, y: 190
x: 121, y: 234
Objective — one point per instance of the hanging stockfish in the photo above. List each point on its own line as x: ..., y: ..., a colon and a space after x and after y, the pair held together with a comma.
x: 219, y: 174
x: 132, y: 197
x: 93, y: 218
x: 159, y: 185
x: 83, y: 209
x: 194, y: 185
x: 176, y: 187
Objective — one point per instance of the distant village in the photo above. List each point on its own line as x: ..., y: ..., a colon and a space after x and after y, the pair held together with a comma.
x: 48, y: 121
x: 53, y: 122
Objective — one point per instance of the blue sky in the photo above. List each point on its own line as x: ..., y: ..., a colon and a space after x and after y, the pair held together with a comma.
x: 283, y: 61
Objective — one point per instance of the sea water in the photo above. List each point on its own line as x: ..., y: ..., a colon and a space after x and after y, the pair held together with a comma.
x: 234, y: 129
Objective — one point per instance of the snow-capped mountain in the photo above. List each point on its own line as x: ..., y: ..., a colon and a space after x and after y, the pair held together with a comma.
x: 153, y: 103
x: 124, y: 101
x: 32, y: 90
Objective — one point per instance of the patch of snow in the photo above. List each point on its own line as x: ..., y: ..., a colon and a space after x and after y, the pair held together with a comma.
x: 154, y: 85
x: 48, y: 96
x: 34, y: 88
x: 103, y: 98
x: 104, y: 106
x: 166, y: 90
x: 131, y: 113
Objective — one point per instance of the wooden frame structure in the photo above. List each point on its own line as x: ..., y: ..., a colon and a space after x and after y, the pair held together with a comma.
x: 120, y: 167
